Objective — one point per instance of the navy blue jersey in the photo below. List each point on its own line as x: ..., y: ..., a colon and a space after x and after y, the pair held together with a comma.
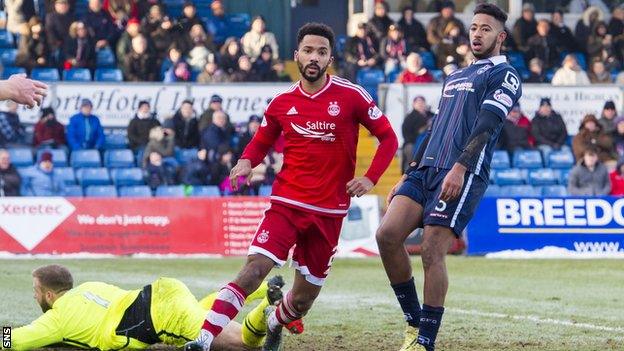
x: 490, y: 84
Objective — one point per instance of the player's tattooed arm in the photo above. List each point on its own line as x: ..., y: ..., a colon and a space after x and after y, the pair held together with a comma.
x: 480, y: 136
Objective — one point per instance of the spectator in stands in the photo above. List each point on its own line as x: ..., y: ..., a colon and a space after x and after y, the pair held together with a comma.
x: 161, y: 141
x: 590, y: 134
x: 80, y: 48
x: 562, y: 35
x: 174, y: 55
x: 414, y: 125
x: 570, y: 73
x: 548, y: 128
x: 100, y: 25
x: 49, y: 132
x: 525, y: 27
x: 140, y: 125
x: 156, y: 173
x: 598, y: 73
x: 244, y: 73
x: 220, y: 171
x: 252, y: 127
x: 84, y: 130
x: 600, y: 43
x: 618, y: 137
x: 616, y: 30
x: 57, y: 26
x: 152, y: 21
x: 215, y: 135
x: 189, y: 17
x: 380, y: 23
x: 536, y: 71
x: 121, y: 11
x: 585, y: 25
x: 48, y: 5
x: 124, y: 44
x: 11, y: 130
x: 179, y: 72
x: 211, y: 73
x: 200, y: 48
x: 218, y: 23
x: 215, y: 104
x: 10, y: 180
x: 263, y: 65
x: 579, y: 6
x: 616, y: 177
x: 360, y: 52
x: 39, y: 180
x: 139, y: 65
x: 437, y: 27
x: 414, y: 71
x: 589, y: 177
x: 257, y: 37
x: 413, y: 31
x: 608, y: 116
x: 447, y: 47
x: 33, y: 48
x: 17, y: 14
x: 543, y: 46
x: 280, y: 72
x: 184, y: 124
x: 230, y: 52
x: 393, y: 50
x: 163, y: 38
x: 196, y: 171
x: 516, y: 133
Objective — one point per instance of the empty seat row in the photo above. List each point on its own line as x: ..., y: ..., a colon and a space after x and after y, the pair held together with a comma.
x: 526, y: 191
x: 532, y: 159
x: 540, y: 176
x: 140, y: 191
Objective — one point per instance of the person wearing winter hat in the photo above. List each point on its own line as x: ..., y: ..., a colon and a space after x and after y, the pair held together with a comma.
x: 40, y: 180
x: 607, y: 117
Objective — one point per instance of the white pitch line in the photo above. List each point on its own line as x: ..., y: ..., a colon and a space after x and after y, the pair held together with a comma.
x: 537, y: 319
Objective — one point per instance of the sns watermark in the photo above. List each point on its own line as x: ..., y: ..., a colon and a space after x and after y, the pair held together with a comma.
x: 6, y: 337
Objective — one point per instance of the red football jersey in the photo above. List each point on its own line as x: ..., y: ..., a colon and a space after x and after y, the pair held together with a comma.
x: 321, y: 134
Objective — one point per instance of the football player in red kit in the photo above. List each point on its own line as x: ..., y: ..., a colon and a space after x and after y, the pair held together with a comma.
x: 319, y: 117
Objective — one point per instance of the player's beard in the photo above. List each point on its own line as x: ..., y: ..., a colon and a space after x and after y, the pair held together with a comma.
x: 487, y: 53
x: 45, y: 306
x: 309, y: 78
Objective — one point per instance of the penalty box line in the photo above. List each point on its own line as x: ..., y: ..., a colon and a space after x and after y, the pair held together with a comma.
x: 537, y: 319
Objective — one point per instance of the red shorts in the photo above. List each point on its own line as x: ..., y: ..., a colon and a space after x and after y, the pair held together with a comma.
x: 315, y: 237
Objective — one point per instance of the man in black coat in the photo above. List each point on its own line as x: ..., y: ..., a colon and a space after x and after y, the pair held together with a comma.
x: 10, y: 180
x: 57, y: 25
x: 139, y: 127
x: 184, y: 124
x: 414, y: 124
x: 101, y: 26
x: 525, y: 27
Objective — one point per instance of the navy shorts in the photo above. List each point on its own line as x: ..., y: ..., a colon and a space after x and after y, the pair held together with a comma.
x: 424, y: 186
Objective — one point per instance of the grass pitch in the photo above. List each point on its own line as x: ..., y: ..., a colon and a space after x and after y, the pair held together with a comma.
x: 492, y: 304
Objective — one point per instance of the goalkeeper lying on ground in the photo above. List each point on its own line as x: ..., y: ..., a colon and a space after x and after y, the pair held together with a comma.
x: 97, y: 315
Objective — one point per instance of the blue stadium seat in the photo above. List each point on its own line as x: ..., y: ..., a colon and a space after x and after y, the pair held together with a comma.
x: 392, y: 76
x: 560, y: 159
x: 438, y: 75
x: 108, y: 75
x: 369, y: 79
x: 77, y: 75
x: 93, y: 176
x: 542, y: 176
x: 511, y: 176
x: 21, y: 156
x: 516, y: 60
x: 341, y: 41
x: 239, y: 24
x: 492, y: 176
x: 135, y: 191
x: 185, y: 155
x: 170, y: 191
x: 116, y: 141
x: 59, y: 156
x: 6, y: 39
x: 7, y: 57
x: 206, y: 191
x: 428, y: 60
x: 493, y: 191
x: 127, y: 176
x: 500, y: 160
x: 105, y: 58
x: 554, y: 191
x: 85, y: 158
x: 265, y: 190
x: 529, y: 159
x: 101, y: 191
x: 73, y: 191
x: 520, y: 191
x: 66, y: 174
x: 45, y: 74
x: 563, y: 175
x: 8, y: 71
x: 120, y: 158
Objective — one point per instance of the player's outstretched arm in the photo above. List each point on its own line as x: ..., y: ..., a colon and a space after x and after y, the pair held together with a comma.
x: 23, y: 90
x: 43, y: 331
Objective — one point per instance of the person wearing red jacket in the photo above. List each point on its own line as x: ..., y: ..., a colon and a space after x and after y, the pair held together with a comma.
x: 617, y: 179
x: 49, y: 132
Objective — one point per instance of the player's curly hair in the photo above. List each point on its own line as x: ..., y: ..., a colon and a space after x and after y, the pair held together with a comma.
x: 319, y: 29
x: 491, y: 10
x: 54, y: 277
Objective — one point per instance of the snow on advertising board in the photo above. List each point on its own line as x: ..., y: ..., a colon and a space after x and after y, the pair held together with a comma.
x: 593, y: 225
x: 220, y: 226
x: 116, y: 103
